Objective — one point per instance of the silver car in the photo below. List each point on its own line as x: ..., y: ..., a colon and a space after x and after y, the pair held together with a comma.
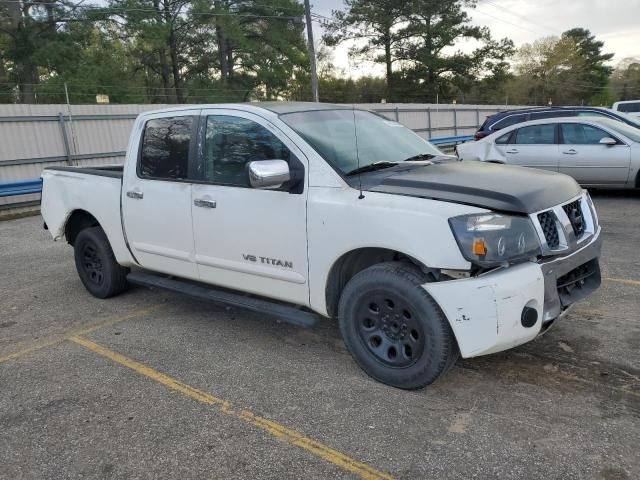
x: 597, y: 152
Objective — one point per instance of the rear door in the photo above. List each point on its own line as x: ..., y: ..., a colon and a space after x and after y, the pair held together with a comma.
x: 156, y: 197
x: 245, y: 238
x: 532, y: 146
x: 589, y: 162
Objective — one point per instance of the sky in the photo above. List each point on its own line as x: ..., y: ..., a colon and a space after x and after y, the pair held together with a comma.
x: 615, y: 22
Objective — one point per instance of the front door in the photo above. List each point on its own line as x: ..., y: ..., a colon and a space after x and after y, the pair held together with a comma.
x: 245, y: 238
x: 532, y: 146
x: 156, y: 197
x: 587, y: 160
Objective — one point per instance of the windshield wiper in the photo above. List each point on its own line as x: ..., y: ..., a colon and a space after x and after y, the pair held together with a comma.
x: 420, y: 156
x: 371, y: 167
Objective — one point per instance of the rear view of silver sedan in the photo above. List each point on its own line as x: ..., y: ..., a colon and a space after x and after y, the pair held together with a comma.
x: 597, y: 152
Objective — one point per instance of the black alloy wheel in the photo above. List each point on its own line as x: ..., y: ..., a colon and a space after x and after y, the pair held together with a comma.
x: 390, y: 329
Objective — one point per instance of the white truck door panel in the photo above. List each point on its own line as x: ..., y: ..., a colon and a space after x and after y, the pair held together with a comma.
x: 245, y: 238
x: 588, y: 161
x: 156, y: 208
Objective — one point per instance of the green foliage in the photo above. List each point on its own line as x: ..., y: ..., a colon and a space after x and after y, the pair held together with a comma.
x: 625, y: 82
x: 177, y: 51
x: 569, y: 70
x: 160, y: 51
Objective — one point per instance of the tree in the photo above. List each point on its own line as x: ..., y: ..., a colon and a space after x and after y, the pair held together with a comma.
x: 567, y: 70
x: 595, y: 72
x: 377, y: 25
x: 31, y: 38
x: 625, y: 81
x: 416, y: 35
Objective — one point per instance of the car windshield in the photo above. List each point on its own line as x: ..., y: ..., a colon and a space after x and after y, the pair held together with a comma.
x: 335, y: 136
x: 629, y: 119
x: 627, y: 130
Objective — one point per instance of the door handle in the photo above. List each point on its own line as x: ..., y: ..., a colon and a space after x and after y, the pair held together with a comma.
x: 570, y: 152
x: 200, y: 202
x: 135, y: 194
x: 512, y: 151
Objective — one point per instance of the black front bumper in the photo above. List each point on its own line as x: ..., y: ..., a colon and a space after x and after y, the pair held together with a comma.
x: 571, y: 278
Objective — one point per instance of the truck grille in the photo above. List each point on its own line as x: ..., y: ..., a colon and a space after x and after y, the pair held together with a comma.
x: 576, y: 217
x: 548, y: 223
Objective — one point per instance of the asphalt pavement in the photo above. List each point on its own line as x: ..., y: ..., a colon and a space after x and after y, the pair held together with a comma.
x: 152, y: 384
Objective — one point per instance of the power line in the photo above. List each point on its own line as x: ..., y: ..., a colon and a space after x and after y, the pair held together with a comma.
x: 521, y: 17
x: 505, y: 21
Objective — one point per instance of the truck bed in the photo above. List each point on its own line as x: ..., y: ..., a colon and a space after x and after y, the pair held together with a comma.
x: 94, y: 191
x: 114, y: 171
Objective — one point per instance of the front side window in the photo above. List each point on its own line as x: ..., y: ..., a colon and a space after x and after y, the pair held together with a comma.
x: 536, y: 135
x: 579, y: 134
x: 504, y: 139
x: 165, y: 148
x: 232, y: 142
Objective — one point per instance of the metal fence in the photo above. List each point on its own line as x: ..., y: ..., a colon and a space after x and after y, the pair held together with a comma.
x: 36, y: 136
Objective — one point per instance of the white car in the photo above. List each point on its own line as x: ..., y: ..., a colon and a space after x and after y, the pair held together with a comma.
x: 596, y: 151
x: 630, y: 107
x: 279, y: 208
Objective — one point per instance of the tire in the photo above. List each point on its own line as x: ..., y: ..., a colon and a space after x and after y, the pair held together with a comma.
x: 394, y: 329
x: 96, y: 264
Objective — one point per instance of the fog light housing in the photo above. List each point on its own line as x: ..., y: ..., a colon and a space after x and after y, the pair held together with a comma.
x: 529, y: 317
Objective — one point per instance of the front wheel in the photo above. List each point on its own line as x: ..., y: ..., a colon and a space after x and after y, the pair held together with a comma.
x: 394, y: 329
x: 96, y: 264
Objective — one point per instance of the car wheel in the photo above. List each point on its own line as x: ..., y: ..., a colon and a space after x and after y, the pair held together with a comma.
x: 394, y: 329
x: 96, y: 264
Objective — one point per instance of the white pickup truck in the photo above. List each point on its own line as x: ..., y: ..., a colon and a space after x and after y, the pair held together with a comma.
x: 304, y: 210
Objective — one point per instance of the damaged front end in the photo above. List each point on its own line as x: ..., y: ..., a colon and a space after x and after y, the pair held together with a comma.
x: 501, y: 308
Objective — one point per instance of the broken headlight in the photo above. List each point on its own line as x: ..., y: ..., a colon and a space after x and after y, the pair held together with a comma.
x: 491, y: 239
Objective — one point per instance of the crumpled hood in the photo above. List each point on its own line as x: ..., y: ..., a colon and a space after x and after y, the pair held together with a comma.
x: 487, y: 185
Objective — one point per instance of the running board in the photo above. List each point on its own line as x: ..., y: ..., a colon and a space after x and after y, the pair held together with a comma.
x: 287, y: 313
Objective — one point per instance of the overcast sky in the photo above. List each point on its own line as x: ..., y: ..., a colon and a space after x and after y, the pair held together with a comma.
x: 616, y: 22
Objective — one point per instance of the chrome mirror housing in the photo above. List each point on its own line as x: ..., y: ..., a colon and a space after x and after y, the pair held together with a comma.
x: 608, y: 141
x: 268, y: 173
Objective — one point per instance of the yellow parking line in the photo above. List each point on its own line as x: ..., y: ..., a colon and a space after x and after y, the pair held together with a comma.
x: 279, y: 431
x: 624, y: 280
x: 56, y: 339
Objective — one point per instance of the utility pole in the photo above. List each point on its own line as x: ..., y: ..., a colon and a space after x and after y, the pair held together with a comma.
x: 312, y: 52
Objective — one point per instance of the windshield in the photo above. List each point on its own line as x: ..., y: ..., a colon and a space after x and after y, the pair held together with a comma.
x: 626, y: 118
x: 622, y: 128
x: 332, y: 134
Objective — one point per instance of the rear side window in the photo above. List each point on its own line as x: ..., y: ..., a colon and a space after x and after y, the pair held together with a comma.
x: 536, y: 135
x: 508, y: 121
x: 165, y: 148
x: 579, y: 134
x: 593, y: 114
x: 552, y: 114
x: 629, y: 107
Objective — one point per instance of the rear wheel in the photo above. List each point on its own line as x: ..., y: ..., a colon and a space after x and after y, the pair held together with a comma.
x: 96, y: 264
x: 394, y: 329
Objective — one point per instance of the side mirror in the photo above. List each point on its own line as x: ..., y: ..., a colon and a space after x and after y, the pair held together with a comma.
x: 608, y: 141
x: 268, y: 173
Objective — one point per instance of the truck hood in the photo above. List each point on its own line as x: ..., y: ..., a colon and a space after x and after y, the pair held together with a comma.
x: 486, y: 185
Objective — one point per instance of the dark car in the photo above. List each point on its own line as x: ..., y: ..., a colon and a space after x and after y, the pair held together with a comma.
x: 507, y: 118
